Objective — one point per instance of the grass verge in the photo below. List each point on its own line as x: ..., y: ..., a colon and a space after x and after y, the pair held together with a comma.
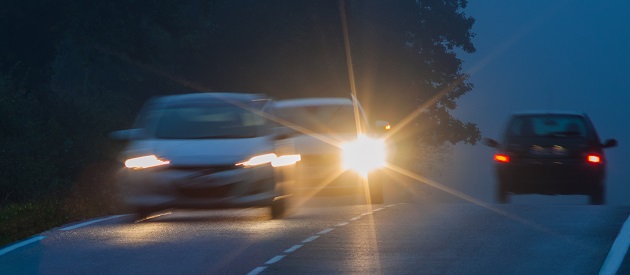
x: 22, y: 220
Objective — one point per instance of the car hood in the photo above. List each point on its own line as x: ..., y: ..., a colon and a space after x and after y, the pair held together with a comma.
x: 202, y: 151
x: 319, y: 144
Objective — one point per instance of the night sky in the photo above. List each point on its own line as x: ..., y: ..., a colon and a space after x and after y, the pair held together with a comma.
x: 546, y: 55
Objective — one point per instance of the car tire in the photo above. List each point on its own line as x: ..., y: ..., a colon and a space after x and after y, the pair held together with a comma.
x: 278, y: 208
x: 502, y: 195
x: 597, y: 195
x: 375, y: 190
x: 140, y: 213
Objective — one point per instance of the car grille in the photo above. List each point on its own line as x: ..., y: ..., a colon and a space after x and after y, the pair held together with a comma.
x: 207, y: 192
x: 204, y: 170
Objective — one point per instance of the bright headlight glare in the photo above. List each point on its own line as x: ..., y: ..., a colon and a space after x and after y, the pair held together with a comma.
x: 364, y: 155
x: 145, y: 162
x: 286, y: 160
x: 258, y: 160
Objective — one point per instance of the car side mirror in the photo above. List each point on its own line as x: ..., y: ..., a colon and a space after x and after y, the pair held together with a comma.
x: 126, y: 135
x: 491, y: 143
x: 610, y: 143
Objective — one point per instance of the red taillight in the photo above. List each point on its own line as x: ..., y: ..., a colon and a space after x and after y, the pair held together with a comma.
x: 593, y: 158
x: 501, y: 158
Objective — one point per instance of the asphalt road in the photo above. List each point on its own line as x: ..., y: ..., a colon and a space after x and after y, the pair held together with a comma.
x: 412, y: 233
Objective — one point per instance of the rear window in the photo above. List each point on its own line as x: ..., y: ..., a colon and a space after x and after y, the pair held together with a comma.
x: 548, y: 125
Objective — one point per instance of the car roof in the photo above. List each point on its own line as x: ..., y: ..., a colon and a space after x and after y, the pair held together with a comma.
x: 225, y: 96
x: 312, y: 101
x: 542, y: 112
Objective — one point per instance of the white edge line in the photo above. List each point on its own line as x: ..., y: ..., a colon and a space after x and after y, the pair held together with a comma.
x: 256, y: 270
x: 310, y: 239
x: 275, y: 259
x: 20, y: 244
x: 90, y: 222
x: 325, y: 231
x: 293, y: 248
x: 617, y: 251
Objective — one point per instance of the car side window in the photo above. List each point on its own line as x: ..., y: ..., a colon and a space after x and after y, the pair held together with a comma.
x: 522, y: 127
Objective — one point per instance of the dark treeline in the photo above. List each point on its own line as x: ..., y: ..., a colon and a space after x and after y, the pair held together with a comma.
x: 72, y: 71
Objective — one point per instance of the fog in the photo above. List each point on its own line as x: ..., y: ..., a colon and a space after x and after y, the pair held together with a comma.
x: 545, y: 55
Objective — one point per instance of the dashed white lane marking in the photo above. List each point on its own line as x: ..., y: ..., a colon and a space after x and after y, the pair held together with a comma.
x: 90, y: 222
x: 310, y: 239
x: 293, y: 248
x: 325, y: 231
x: 257, y: 270
x: 20, y: 244
x: 618, y: 251
x: 276, y: 259
x: 39, y: 238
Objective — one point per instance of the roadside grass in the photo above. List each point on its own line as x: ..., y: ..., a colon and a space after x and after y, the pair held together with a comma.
x: 22, y: 220
x: 90, y: 197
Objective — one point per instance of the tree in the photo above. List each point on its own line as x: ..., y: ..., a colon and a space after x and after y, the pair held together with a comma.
x: 410, y: 64
x: 75, y: 70
x: 404, y: 55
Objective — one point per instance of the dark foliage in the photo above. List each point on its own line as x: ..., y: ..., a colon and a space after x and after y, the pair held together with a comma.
x: 72, y: 71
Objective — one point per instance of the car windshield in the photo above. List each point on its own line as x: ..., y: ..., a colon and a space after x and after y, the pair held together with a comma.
x: 207, y: 121
x: 328, y: 119
x: 548, y: 125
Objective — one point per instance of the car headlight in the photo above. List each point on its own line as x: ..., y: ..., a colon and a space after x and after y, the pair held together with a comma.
x: 364, y: 155
x: 286, y: 160
x: 275, y: 161
x: 258, y: 160
x: 145, y: 162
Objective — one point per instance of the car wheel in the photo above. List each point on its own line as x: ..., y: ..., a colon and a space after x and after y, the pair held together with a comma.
x: 502, y: 195
x: 375, y: 190
x: 597, y: 195
x: 141, y: 213
x: 278, y: 208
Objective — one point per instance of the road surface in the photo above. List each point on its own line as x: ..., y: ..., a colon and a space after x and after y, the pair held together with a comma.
x: 410, y: 233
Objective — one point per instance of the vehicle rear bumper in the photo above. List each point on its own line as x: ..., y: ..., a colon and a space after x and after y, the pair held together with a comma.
x: 550, y: 178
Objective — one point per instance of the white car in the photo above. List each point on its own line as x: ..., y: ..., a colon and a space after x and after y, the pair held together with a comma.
x: 337, y: 154
x: 203, y: 150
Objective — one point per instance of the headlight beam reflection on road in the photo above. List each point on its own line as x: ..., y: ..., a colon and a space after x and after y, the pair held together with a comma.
x: 468, y: 198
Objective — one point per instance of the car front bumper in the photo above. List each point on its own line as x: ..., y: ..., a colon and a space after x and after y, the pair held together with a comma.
x: 203, y: 188
x: 326, y: 177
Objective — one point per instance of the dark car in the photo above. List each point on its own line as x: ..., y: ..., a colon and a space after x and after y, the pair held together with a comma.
x: 552, y: 153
